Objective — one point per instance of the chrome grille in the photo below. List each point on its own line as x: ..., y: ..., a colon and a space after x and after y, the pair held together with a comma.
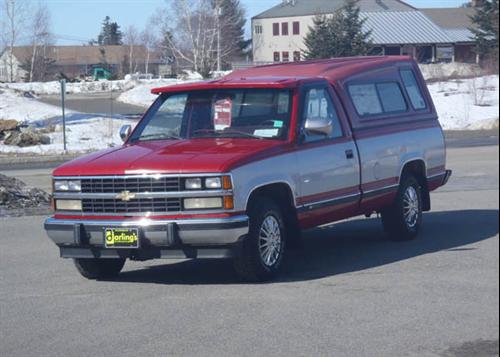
x: 134, y: 185
x: 143, y: 205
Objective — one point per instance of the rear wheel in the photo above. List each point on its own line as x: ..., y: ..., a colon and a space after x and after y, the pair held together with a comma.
x: 263, y: 249
x: 402, y: 221
x: 99, y: 268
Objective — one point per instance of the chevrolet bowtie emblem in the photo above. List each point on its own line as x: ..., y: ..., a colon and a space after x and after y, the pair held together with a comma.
x: 126, y: 196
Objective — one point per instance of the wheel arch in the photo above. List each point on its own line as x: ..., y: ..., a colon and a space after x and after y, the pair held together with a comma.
x: 282, y: 194
x: 418, y: 168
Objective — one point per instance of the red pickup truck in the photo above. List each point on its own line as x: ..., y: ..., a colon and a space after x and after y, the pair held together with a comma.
x: 237, y: 167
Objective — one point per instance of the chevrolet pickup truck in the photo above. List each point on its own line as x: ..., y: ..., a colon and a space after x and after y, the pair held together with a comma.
x: 237, y: 168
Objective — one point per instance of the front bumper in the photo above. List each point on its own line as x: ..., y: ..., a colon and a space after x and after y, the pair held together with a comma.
x: 187, y: 238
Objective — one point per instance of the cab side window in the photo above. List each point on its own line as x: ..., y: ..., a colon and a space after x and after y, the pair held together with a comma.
x: 319, y: 105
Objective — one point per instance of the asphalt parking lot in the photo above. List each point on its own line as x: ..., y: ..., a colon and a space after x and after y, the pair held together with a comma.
x: 350, y: 292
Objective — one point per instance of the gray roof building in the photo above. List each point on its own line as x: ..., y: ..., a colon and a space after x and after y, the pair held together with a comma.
x: 456, y: 22
x: 403, y: 27
x: 289, y: 8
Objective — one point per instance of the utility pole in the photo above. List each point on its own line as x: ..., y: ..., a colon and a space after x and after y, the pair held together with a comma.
x: 63, y: 94
x: 218, y: 14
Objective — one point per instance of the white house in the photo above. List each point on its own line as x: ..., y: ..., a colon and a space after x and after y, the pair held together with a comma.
x: 397, y: 29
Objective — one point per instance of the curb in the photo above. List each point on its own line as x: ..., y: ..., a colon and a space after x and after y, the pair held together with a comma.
x: 20, y: 162
x: 25, y: 212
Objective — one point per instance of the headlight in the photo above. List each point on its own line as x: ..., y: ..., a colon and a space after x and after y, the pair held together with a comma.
x: 67, y: 185
x: 193, y: 184
x: 68, y: 205
x: 202, y: 203
x: 213, y: 183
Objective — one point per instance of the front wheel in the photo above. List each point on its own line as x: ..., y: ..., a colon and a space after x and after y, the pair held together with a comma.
x: 99, y: 268
x: 263, y: 249
x: 402, y: 221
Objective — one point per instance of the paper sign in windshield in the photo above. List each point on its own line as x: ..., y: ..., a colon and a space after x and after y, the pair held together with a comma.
x: 222, y: 114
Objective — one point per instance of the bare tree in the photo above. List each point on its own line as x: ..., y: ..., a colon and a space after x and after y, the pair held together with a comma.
x: 13, y: 22
x: 132, y: 40
x: 197, y: 28
x: 148, y: 40
x: 40, y: 39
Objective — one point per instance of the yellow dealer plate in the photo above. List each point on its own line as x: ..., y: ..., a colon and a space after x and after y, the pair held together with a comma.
x: 121, y: 237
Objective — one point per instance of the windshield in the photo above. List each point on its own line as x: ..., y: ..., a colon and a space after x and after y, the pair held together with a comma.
x: 239, y: 113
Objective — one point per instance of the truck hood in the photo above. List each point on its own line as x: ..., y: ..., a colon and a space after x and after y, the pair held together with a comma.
x: 172, y: 157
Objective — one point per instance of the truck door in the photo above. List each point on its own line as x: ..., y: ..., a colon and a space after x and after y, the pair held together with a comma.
x: 328, y: 164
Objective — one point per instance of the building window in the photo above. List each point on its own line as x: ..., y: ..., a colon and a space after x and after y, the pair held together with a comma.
x: 286, y: 56
x: 296, y: 28
x: 296, y: 56
x: 277, y: 57
x: 258, y: 29
x: 284, y: 29
x: 276, y: 29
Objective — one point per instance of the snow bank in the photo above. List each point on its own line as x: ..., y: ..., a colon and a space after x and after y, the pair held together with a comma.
x: 84, y: 135
x: 141, y: 95
x: 51, y: 88
x: 468, y: 104
x: 16, y: 106
x: 445, y: 71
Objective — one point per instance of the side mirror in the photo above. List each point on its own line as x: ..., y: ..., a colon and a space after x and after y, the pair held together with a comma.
x: 319, y: 126
x: 125, y: 132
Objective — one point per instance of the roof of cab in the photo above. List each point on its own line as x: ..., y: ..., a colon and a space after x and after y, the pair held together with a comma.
x: 289, y: 75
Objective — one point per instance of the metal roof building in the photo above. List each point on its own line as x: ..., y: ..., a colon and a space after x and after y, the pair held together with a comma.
x: 403, y: 28
x: 289, y: 8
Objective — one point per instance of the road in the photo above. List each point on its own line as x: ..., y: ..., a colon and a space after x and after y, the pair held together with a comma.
x: 349, y: 292
x: 95, y: 103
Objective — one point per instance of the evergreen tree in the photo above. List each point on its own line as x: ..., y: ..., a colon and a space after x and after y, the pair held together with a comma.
x: 486, y: 31
x: 356, y: 41
x: 339, y: 35
x: 110, y: 33
x: 318, y: 40
x: 233, y: 27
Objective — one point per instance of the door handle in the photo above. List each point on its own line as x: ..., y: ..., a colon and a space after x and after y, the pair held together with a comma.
x: 349, y: 154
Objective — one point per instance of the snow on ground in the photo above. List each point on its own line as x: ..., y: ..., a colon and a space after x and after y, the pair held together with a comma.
x: 84, y: 135
x: 467, y: 104
x: 54, y: 88
x: 14, y: 105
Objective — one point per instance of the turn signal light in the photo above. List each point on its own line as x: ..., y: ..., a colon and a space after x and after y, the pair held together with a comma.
x: 228, y: 202
x: 227, y: 183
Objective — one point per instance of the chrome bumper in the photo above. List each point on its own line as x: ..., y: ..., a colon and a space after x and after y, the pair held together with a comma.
x: 88, y: 235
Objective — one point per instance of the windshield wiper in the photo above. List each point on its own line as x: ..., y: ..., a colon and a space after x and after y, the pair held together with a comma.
x: 226, y: 133
x: 152, y: 137
x: 242, y: 133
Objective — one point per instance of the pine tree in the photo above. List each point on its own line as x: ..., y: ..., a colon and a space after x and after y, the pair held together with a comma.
x: 110, y: 33
x: 356, y: 41
x: 486, y: 31
x: 319, y: 38
x: 339, y: 35
x: 233, y: 23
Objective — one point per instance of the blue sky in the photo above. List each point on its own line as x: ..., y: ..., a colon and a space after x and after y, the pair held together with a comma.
x: 79, y: 20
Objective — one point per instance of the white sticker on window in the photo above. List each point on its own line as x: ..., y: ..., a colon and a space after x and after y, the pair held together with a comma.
x: 266, y: 133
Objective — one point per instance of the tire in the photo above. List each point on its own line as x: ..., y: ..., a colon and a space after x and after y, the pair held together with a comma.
x: 262, y: 252
x: 99, y: 268
x: 402, y: 221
